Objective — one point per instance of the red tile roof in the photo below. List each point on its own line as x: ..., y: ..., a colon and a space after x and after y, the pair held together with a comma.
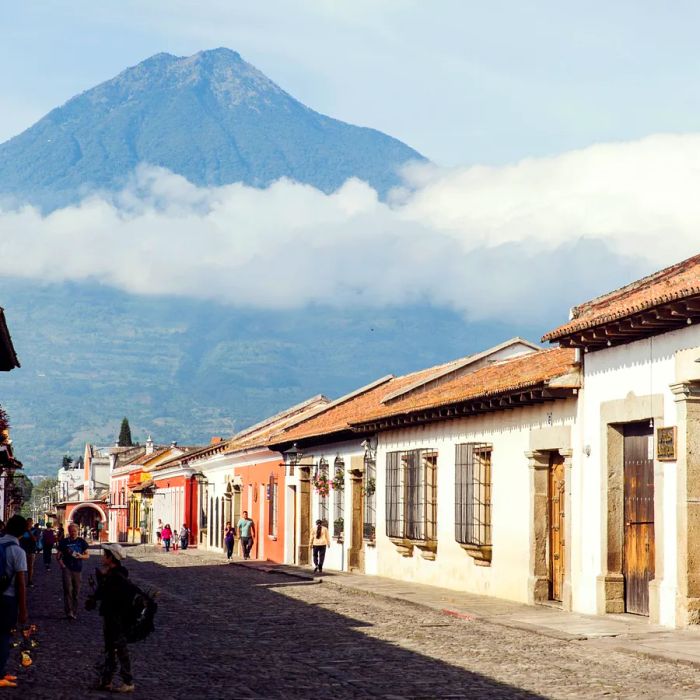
x: 674, y: 283
x: 342, y: 412
x: 516, y: 374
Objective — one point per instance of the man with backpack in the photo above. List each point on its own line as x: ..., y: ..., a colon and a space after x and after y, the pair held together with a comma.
x: 115, y: 594
x: 13, y: 591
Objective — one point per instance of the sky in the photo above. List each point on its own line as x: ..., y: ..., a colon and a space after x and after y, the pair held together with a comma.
x: 563, y: 142
x: 463, y: 82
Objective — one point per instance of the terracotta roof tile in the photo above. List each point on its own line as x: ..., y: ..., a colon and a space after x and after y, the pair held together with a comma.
x: 522, y: 372
x: 354, y: 407
x: 674, y: 283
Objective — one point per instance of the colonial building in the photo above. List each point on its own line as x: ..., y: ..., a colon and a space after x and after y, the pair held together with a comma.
x: 337, y: 460
x: 636, y: 493
x: 243, y: 474
x: 473, y: 470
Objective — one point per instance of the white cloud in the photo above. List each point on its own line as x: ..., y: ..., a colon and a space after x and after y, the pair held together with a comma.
x: 514, y: 241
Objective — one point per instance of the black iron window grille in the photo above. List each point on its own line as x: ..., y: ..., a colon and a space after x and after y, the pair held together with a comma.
x: 323, y: 497
x: 473, y: 494
x: 411, y: 495
x: 369, y: 488
x: 272, y: 515
x: 338, y: 497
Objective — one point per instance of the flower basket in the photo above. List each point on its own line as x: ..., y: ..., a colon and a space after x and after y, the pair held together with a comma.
x: 321, y: 484
x: 370, y: 487
x: 338, y: 480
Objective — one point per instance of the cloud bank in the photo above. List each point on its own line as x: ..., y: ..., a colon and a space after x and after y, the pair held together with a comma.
x: 513, y: 242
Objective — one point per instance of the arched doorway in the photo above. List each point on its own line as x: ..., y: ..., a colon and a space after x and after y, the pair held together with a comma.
x: 91, y: 521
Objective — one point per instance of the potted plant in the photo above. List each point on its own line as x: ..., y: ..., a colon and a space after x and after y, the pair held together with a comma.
x: 338, y: 480
x: 370, y: 487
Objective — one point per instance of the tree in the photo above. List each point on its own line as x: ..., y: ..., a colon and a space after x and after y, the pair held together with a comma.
x: 66, y: 462
x: 125, y: 434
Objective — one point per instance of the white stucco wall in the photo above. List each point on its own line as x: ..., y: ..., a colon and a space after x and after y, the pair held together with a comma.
x: 509, y: 432
x: 639, y: 369
x: 337, y: 553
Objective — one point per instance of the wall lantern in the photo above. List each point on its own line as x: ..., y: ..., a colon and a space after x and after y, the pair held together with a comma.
x: 370, y: 447
x: 292, y: 456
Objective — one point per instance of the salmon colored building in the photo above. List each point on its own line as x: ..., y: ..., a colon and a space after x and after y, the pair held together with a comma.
x: 243, y: 474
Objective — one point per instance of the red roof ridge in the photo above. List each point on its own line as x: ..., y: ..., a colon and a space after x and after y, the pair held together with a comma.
x: 460, y: 363
x: 561, y: 360
x: 601, y: 309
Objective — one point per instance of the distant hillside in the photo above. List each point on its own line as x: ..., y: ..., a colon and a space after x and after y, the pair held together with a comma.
x: 211, y: 117
x: 187, y: 370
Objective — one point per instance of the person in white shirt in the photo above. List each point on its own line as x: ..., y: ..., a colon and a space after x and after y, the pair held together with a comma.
x: 320, y: 540
x: 13, y: 601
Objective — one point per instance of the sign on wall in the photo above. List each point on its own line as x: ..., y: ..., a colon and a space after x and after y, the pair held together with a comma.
x: 666, y: 444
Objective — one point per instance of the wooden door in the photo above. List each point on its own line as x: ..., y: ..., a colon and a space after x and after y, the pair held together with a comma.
x: 557, y: 541
x: 638, y: 555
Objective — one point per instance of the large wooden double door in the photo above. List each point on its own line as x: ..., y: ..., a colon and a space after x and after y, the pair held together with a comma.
x: 639, y: 549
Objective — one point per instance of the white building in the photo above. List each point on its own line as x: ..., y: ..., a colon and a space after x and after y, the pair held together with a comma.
x: 636, y: 490
x: 339, y: 447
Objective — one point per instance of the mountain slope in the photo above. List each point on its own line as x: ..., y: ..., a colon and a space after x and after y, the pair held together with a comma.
x: 211, y: 117
x: 186, y: 370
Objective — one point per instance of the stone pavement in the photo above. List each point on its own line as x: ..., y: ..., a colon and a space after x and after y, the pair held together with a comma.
x: 236, y: 632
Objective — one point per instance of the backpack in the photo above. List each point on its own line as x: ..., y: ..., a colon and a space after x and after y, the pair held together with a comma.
x: 5, y: 580
x: 140, y: 613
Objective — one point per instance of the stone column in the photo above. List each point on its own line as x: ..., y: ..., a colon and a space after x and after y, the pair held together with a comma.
x: 304, y: 515
x: 538, y: 582
x: 687, y: 397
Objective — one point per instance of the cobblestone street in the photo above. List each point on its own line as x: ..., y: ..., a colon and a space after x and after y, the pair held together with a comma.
x: 225, y: 631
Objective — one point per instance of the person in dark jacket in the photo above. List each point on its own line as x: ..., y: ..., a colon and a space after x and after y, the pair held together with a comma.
x: 114, y: 593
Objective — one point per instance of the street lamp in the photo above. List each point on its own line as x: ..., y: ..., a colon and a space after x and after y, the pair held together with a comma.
x: 291, y: 457
x: 370, y: 447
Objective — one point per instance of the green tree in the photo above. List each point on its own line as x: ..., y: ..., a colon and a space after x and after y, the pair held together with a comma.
x: 25, y: 486
x: 125, y: 434
x: 66, y: 462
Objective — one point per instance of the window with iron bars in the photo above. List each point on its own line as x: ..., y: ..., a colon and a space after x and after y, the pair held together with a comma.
x: 323, y: 499
x: 338, y: 497
x: 369, y: 487
x: 473, y: 494
x: 272, y: 507
x: 411, y: 495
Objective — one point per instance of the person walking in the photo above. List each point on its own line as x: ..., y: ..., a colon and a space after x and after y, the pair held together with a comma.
x: 184, y: 536
x: 167, y: 535
x: 13, y: 601
x: 28, y: 543
x: 229, y: 539
x: 49, y: 540
x: 113, y: 591
x: 246, y: 533
x: 320, y: 541
x: 72, y: 551
x: 159, y: 532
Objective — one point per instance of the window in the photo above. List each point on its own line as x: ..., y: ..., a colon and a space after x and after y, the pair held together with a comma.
x: 323, y: 497
x: 473, y: 494
x: 272, y: 506
x: 338, y: 497
x: 369, y: 487
x: 411, y: 495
